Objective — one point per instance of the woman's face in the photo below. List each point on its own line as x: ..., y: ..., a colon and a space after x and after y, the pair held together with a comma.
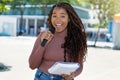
x: 59, y: 19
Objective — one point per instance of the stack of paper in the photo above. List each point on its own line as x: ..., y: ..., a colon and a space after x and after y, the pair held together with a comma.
x: 63, y: 68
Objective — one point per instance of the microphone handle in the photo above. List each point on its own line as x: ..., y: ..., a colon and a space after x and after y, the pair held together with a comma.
x: 44, y: 42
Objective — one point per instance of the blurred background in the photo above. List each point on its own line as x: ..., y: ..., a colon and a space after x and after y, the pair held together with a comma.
x: 22, y: 20
x: 28, y: 18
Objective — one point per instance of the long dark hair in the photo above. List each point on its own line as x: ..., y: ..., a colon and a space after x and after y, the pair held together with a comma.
x: 75, y: 41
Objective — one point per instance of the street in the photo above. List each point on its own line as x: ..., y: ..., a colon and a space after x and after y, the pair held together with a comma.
x: 103, y: 63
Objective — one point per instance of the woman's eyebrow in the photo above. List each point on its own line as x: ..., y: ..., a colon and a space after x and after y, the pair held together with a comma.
x: 60, y: 13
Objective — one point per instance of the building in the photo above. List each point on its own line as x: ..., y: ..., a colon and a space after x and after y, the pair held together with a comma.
x: 34, y: 18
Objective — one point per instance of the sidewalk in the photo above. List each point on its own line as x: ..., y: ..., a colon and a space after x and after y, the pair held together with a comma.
x: 102, y: 63
x: 14, y: 52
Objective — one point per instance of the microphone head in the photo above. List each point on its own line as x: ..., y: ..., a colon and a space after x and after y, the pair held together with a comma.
x: 52, y: 30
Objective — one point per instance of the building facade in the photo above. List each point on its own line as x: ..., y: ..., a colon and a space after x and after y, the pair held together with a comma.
x: 34, y: 18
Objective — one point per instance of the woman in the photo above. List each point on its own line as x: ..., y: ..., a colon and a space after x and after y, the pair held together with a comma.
x: 67, y: 44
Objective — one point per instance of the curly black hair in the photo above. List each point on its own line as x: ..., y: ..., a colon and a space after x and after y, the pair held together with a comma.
x: 75, y: 45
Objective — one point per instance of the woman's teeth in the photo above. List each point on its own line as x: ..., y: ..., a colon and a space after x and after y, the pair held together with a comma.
x: 58, y: 25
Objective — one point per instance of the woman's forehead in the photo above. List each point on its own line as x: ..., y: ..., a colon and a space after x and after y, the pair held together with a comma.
x: 59, y: 10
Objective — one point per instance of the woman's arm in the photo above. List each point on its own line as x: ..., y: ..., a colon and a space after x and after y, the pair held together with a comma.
x: 79, y: 70
x: 36, y: 56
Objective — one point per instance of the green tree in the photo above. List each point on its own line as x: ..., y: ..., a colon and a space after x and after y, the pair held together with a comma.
x: 105, y: 10
x: 54, y: 1
x: 101, y: 7
x: 3, y: 7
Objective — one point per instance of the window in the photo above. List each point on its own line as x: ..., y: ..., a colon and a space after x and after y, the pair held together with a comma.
x: 82, y: 13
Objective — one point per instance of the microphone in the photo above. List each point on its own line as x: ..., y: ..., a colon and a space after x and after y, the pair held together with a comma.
x: 52, y: 30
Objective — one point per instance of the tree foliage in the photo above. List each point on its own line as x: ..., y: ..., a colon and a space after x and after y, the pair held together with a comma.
x: 3, y: 7
x: 47, y: 1
x: 105, y: 8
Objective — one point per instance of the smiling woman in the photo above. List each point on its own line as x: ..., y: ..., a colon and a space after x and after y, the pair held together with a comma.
x: 67, y: 44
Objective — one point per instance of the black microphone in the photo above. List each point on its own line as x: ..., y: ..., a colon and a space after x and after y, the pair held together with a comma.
x: 52, y: 30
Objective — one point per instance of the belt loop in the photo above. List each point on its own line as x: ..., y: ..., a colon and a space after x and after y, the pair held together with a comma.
x: 39, y: 72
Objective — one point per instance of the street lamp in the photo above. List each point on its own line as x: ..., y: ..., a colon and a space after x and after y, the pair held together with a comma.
x: 22, y: 8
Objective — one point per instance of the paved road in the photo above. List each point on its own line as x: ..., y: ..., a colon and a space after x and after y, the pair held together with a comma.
x: 102, y: 63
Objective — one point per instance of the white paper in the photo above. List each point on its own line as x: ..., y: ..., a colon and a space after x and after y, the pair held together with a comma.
x: 63, y: 68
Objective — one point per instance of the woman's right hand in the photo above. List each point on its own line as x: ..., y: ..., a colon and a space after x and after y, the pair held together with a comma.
x: 47, y: 35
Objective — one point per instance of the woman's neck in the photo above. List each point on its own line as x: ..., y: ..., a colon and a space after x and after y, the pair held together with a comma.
x: 61, y: 34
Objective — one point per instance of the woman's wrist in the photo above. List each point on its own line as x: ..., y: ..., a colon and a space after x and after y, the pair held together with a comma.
x: 68, y: 77
x: 72, y: 75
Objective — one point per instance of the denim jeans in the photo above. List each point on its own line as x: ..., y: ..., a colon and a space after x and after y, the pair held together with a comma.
x: 40, y: 75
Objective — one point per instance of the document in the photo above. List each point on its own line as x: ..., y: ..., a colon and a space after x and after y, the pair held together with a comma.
x: 63, y: 68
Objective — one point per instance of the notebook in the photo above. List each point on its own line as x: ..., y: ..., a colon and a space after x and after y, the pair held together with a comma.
x: 63, y: 68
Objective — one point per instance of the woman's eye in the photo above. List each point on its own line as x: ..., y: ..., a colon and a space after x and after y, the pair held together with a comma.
x: 62, y: 16
x: 54, y: 16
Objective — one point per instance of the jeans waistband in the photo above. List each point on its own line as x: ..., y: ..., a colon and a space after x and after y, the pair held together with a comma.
x: 47, y: 76
x: 40, y: 71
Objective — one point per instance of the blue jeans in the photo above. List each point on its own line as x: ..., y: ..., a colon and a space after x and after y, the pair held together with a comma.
x: 40, y: 75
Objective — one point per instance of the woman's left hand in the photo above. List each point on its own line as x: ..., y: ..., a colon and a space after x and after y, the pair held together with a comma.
x: 68, y: 77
